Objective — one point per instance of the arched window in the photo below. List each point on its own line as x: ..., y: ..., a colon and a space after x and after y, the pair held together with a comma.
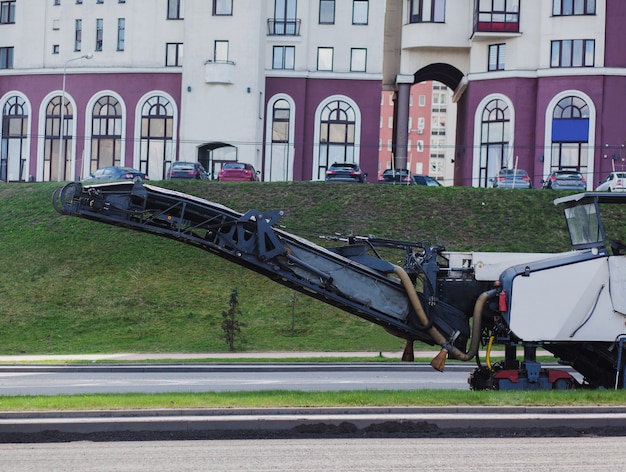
x: 106, y: 133
x: 570, y: 135
x: 495, y: 140
x: 52, y: 140
x: 13, y: 153
x: 279, y: 165
x: 157, y: 137
x: 337, y: 135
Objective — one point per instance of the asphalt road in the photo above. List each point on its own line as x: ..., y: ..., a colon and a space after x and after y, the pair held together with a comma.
x: 581, y: 454
x: 151, y: 378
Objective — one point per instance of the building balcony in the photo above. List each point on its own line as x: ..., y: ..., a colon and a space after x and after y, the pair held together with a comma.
x: 280, y: 27
x: 496, y: 23
x: 219, y: 72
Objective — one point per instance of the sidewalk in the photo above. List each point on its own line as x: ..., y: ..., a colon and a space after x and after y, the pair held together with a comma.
x: 225, y: 355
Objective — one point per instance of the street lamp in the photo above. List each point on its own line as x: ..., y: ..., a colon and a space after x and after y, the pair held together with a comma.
x: 62, y: 128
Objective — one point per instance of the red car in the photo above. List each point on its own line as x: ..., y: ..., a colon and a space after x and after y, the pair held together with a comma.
x: 238, y: 172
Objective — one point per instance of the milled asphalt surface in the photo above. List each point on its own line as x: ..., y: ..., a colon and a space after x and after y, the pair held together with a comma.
x: 206, y: 423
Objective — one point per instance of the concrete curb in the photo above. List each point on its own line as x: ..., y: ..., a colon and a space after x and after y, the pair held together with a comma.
x: 294, y: 422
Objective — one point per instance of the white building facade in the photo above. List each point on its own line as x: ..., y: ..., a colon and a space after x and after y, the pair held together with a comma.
x: 289, y: 86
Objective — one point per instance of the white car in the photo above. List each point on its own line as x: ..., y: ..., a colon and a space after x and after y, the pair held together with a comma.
x: 615, y: 182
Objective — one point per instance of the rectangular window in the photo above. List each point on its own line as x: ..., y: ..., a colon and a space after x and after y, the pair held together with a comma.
x: 99, y: 1
x: 358, y: 59
x: 6, y: 58
x: 57, y: 2
x: 121, y: 1
x: 327, y: 12
x: 573, y: 7
x: 79, y: 2
x: 121, y: 33
x: 496, y: 57
x: 99, y: 33
x: 220, y: 51
x: 7, y: 12
x: 222, y: 7
x: 55, y: 49
x: 284, y: 57
x: 421, y: 101
x: 78, y: 35
x: 573, y: 53
x: 360, y: 12
x: 174, y: 54
x: 175, y: 9
x: 428, y: 11
x: 325, y: 58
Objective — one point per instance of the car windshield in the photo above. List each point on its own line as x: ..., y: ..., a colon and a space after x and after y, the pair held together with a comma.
x: 343, y: 167
x: 513, y: 173
x: 568, y: 175
x: 234, y: 166
x: 182, y: 165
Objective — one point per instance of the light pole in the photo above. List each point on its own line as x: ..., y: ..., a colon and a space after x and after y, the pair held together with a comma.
x: 62, y: 128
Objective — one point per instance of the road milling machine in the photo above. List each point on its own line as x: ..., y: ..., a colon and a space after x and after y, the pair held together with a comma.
x: 572, y: 304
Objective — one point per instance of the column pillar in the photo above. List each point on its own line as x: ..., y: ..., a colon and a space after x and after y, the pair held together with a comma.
x: 401, y: 122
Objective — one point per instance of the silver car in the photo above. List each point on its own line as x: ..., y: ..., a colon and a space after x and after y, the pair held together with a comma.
x: 565, y: 180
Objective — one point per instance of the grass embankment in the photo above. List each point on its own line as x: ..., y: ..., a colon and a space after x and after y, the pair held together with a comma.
x: 74, y: 286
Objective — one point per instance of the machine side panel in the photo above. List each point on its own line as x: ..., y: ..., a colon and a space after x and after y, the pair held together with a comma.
x: 565, y: 303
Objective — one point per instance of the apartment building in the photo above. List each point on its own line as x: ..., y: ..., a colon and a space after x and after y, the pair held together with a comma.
x: 431, y: 126
x: 288, y: 86
x: 537, y: 84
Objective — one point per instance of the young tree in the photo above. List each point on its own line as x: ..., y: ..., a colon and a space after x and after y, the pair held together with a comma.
x: 230, y: 324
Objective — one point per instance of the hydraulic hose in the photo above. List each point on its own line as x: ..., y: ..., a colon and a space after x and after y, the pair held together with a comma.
x: 447, y: 348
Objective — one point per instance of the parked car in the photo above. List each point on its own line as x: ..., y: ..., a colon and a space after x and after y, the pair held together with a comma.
x: 615, y: 182
x: 512, y: 178
x: 238, y: 172
x: 186, y: 170
x: 345, y: 172
x: 426, y: 180
x: 565, y: 180
x: 116, y: 173
x: 396, y: 176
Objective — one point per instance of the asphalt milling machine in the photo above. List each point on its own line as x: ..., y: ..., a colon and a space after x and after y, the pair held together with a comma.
x: 572, y: 304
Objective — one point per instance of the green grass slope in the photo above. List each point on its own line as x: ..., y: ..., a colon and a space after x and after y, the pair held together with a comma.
x: 69, y: 285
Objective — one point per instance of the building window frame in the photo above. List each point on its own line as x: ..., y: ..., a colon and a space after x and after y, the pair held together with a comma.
x: 573, y: 7
x: 427, y: 11
x: 327, y: 12
x: 7, y: 12
x: 325, y: 58
x: 222, y: 7
x: 121, y: 33
x: 14, y: 140
x: 78, y: 35
x: 283, y: 57
x: 566, y: 53
x: 360, y: 12
x: 173, y: 54
x: 157, y: 139
x: 496, y: 57
x: 497, y: 16
x: 221, y: 51
x: 495, y: 139
x: 358, y: 60
x: 175, y: 9
x: 6, y: 57
x: 99, y: 34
